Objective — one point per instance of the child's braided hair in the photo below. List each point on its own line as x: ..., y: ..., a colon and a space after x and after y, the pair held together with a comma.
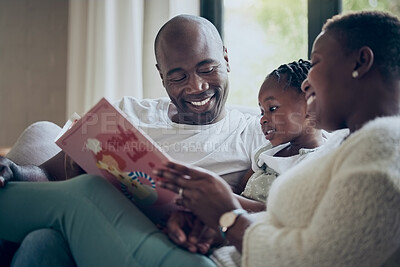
x: 296, y: 72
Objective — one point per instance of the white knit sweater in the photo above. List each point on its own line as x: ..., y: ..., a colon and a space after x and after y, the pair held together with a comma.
x: 342, y: 209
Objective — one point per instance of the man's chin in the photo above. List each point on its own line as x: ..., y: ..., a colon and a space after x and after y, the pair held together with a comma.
x: 204, y: 118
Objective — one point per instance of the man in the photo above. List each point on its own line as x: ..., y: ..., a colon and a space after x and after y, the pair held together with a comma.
x: 192, y: 126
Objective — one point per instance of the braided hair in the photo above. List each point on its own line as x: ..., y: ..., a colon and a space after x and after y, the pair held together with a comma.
x: 296, y: 72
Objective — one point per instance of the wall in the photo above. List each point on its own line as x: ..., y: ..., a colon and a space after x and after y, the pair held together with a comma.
x: 156, y: 13
x: 33, y: 62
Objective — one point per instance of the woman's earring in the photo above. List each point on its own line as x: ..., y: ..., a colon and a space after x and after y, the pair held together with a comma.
x: 354, y: 74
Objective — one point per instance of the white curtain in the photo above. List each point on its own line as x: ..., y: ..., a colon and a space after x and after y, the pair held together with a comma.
x: 110, y: 48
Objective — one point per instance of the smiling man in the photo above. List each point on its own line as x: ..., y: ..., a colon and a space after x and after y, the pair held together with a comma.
x: 194, y: 70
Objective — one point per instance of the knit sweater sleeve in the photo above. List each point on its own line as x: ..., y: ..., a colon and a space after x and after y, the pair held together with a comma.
x: 355, y: 223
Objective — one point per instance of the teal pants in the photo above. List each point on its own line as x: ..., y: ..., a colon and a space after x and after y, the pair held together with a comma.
x: 102, y: 227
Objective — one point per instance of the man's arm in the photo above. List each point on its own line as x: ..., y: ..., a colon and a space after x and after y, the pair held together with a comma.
x: 9, y: 171
x: 61, y: 167
x: 242, y: 184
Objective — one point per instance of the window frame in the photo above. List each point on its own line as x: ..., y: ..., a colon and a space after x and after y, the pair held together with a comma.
x: 318, y: 12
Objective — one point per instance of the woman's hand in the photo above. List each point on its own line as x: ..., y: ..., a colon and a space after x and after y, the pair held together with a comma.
x: 206, y: 194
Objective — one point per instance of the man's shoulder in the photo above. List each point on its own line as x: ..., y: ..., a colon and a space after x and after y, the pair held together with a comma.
x: 143, y: 110
x: 243, y: 114
x: 245, y: 110
x: 247, y: 122
x: 127, y: 102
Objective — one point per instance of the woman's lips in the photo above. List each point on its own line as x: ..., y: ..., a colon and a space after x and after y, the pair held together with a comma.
x: 311, y: 99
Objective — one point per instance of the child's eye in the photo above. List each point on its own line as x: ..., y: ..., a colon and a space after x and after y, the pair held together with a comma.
x: 272, y: 109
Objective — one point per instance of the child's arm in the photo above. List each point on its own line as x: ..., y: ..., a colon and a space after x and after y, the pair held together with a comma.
x: 242, y: 184
x: 251, y: 205
x: 248, y: 204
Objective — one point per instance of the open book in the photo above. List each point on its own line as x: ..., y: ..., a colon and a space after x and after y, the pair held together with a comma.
x: 105, y: 143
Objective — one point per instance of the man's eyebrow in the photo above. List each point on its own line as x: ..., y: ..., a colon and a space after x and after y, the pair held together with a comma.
x: 206, y: 61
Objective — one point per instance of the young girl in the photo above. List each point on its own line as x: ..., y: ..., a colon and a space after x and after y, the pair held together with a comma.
x: 287, y: 126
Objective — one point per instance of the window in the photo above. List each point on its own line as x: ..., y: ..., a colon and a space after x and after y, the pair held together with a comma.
x: 392, y: 6
x: 260, y: 36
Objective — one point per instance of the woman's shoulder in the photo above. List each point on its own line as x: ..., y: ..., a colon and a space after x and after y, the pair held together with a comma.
x: 375, y: 148
x: 382, y: 132
x: 383, y: 124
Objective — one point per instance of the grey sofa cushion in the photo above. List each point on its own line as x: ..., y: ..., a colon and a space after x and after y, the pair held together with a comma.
x: 36, y: 144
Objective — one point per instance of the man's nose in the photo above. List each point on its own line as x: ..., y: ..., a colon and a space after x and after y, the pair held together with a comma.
x: 197, y: 84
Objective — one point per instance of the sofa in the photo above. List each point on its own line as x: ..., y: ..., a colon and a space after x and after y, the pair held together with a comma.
x: 34, y: 146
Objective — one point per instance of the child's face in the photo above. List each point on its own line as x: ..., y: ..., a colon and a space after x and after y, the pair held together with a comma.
x: 283, y: 111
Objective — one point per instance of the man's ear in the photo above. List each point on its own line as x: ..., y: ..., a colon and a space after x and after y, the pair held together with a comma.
x: 226, y: 59
x: 161, y: 76
x: 365, y: 59
x: 159, y: 72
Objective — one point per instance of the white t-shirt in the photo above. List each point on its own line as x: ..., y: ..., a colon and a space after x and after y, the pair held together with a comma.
x: 279, y: 164
x: 223, y: 147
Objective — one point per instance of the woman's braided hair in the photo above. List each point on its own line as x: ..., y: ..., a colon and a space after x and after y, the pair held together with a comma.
x: 296, y: 72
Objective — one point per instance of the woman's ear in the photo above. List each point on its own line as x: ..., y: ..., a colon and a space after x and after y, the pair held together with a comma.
x: 365, y: 59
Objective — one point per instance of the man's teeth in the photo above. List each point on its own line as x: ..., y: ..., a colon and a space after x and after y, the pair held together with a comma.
x: 310, y: 99
x: 270, y: 131
x: 201, y: 103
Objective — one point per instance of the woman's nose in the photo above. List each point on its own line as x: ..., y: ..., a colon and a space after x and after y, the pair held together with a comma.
x: 305, y: 85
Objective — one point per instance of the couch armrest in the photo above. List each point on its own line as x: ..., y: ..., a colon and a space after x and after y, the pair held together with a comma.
x: 36, y: 144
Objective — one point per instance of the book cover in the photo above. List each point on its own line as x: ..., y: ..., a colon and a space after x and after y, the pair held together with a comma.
x: 105, y: 143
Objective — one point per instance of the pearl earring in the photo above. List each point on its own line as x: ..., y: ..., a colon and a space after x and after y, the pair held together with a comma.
x: 354, y: 74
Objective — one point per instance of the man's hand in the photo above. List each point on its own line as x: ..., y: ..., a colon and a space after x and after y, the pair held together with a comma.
x: 186, y: 230
x: 7, y: 171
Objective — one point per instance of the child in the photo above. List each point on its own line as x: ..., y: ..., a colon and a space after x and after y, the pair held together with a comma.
x: 288, y: 128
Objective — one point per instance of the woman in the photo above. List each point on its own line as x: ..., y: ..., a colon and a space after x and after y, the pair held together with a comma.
x: 342, y: 209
